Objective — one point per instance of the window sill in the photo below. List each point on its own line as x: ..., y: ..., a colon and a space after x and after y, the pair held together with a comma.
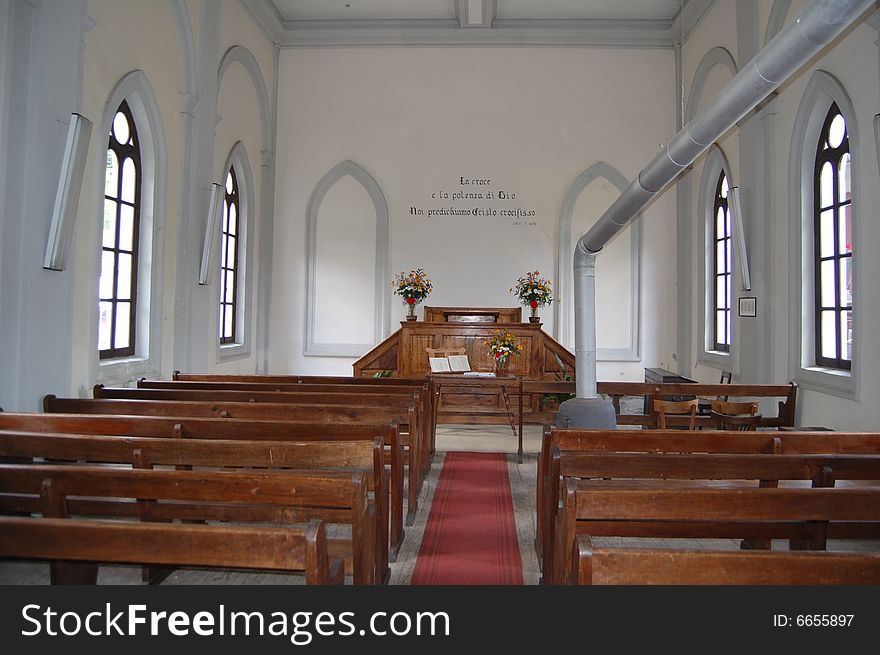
x: 830, y: 381
x: 715, y: 359
x: 232, y: 351
x: 113, y: 372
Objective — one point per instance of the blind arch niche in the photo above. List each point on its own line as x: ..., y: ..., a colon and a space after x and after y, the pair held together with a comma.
x: 618, y: 271
x: 347, y: 308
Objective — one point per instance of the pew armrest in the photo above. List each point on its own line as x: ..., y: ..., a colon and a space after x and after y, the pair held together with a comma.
x: 336, y: 571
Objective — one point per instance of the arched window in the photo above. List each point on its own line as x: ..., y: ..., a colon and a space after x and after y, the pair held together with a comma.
x: 229, y: 260
x: 721, y: 267
x: 832, y: 244
x: 117, y: 295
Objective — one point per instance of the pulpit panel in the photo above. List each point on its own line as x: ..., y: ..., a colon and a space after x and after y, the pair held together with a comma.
x: 542, y: 358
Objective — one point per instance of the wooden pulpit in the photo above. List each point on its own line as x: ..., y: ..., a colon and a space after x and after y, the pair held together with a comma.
x: 469, y: 400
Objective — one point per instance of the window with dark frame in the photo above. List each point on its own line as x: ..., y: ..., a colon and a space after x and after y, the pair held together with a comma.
x: 229, y: 232
x: 832, y: 244
x: 117, y: 286
x: 721, y: 267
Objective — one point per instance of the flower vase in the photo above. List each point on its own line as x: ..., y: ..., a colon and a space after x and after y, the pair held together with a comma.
x: 533, y: 318
x: 411, y: 311
x: 501, y: 367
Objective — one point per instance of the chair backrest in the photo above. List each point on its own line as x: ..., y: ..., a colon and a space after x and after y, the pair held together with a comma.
x: 684, y: 407
x: 741, y: 423
x: 726, y: 376
x: 749, y: 408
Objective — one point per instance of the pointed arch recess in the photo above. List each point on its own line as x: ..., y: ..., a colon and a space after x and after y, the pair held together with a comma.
x: 714, y: 162
x: 187, y: 47
x: 265, y: 219
x: 238, y: 157
x: 717, y: 56
x: 776, y: 22
x: 135, y: 88
x: 565, y: 295
x: 822, y: 89
x: 382, y: 316
x: 240, y: 54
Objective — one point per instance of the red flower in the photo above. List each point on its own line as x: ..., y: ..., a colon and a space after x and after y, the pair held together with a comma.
x: 534, y: 304
x: 410, y: 301
x: 497, y: 355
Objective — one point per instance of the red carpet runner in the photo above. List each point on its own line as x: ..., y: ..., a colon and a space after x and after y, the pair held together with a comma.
x: 470, y: 537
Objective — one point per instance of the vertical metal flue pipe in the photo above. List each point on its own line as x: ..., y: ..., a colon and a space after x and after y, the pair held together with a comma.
x: 814, y: 27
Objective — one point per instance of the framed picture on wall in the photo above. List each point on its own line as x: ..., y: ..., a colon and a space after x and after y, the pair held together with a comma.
x: 748, y: 306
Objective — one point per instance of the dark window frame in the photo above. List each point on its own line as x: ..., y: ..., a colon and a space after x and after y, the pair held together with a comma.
x: 833, y: 155
x: 123, y: 151
x: 230, y: 199
x: 721, y: 269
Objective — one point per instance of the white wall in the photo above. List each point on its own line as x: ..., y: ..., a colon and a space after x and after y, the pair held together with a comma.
x: 63, y: 56
x: 112, y: 50
x: 529, y: 120
x: 853, y: 60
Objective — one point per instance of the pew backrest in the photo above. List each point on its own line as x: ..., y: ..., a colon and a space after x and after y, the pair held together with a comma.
x: 293, y: 548
x: 211, y: 429
x: 671, y: 441
x: 253, y: 496
x: 632, y: 566
x: 594, y: 507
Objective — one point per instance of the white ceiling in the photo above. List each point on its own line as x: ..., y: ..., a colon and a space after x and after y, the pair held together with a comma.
x: 566, y: 23
x: 292, y: 10
x: 364, y: 9
x: 588, y: 9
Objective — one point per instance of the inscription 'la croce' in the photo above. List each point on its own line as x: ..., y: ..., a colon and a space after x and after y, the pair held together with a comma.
x: 488, y: 206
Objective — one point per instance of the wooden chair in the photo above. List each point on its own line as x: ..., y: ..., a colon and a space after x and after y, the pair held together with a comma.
x: 681, y: 408
x: 704, y: 407
x: 741, y: 423
x: 749, y: 408
x: 741, y: 416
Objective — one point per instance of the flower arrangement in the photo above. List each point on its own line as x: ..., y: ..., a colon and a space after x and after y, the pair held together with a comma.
x: 502, y: 345
x: 533, y: 290
x: 413, y: 287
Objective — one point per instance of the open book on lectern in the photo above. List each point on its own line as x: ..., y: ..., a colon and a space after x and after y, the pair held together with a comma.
x: 459, y: 363
x: 450, y: 364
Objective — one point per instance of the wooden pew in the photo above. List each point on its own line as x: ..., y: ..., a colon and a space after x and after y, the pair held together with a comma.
x: 651, y: 469
x: 294, y: 548
x: 418, y: 383
x: 331, y: 458
x: 307, y: 416
x: 635, y: 566
x: 300, y: 379
x: 61, y: 491
x: 319, y: 384
x: 534, y: 391
x: 600, y: 508
x: 234, y: 429
x: 407, y: 407
x: 681, y: 441
x: 268, y: 385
